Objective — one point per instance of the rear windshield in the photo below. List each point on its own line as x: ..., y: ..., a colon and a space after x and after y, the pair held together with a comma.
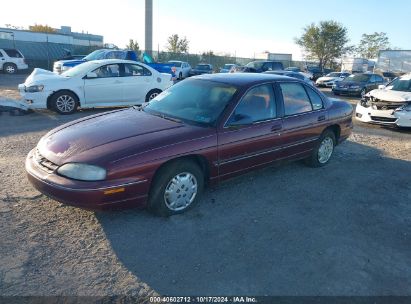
x: 176, y: 64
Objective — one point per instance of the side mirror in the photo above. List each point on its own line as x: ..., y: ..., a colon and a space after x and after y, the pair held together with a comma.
x: 91, y: 75
x: 381, y: 87
x: 240, y: 120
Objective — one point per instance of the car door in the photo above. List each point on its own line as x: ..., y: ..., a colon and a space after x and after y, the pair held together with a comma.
x: 251, y: 135
x: 106, y: 88
x: 138, y: 81
x: 304, y: 118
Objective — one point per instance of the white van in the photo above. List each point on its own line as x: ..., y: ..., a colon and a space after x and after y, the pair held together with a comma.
x: 12, y: 60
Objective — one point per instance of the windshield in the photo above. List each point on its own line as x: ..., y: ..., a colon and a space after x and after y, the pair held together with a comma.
x: 401, y: 84
x: 203, y: 67
x: 334, y: 75
x: 176, y: 64
x: 357, y: 78
x: 81, y: 69
x: 96, y: 55
x: 255, y: 65
x: 193, y: 101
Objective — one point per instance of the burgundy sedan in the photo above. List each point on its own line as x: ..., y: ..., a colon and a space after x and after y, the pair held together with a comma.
x: 200, y: 131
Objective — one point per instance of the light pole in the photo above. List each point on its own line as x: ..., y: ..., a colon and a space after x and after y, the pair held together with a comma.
x: 149, y: 27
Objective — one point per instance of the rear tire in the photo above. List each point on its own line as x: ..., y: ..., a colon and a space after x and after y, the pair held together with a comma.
x: 64, y: 102
x: 176, y: 188
x: 322, y: 153
x: 10, y: 68
x: 152, y: 94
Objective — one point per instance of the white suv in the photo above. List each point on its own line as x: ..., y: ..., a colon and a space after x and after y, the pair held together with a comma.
x: 182, y: 68
x: 12, y: 60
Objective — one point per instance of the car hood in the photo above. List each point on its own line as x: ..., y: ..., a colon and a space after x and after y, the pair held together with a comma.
x: 326, y: 78
x: 114, y: 135
x: 71, y: 63
x: 350, y: 83
x: 391, y: 95
x: 40, y: 75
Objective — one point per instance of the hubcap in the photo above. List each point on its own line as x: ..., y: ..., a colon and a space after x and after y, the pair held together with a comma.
x: 326, y: 150
x: 10, y: 69
x: 181, y: 191
x: 65, y: 103
x: 153, y: 95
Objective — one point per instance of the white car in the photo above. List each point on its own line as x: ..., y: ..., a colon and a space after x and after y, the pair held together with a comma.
x: 390, y: 105
x: 12, y: 60
x: 109, y: 83
x: 330, y: 79
x: 182, y: 68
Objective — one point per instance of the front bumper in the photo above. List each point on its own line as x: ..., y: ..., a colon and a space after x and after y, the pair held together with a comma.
x: 36, y: 100
x: 89, y: 195
x: 347, y: 91
x: 370, y: 115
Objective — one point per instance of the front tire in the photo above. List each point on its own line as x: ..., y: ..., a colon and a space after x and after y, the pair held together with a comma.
x: 152, y: 94
x: 64, y: 102
x: 10, y: 68
x: 176, y: 188
x: 321, y: 154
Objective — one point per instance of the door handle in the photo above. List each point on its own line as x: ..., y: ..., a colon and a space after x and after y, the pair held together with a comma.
x: 277, y: 127
x: 321, y: 118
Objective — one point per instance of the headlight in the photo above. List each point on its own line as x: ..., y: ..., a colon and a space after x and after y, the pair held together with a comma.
x: 35, y: 88
x: 82, y: 172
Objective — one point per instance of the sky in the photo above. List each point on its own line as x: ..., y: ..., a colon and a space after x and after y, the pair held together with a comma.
x: 238, y: 27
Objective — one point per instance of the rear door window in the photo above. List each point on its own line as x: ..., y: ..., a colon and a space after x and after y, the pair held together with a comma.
x: 296, y: 100
x: 135, y: 70
x: 316, y: 100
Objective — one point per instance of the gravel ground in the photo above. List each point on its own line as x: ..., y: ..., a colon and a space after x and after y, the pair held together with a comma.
x: 344, y: 229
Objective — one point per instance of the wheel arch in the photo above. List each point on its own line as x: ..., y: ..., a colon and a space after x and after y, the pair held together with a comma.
x: 336, y: 129
x: 198, y: 159
x: 58, y: 91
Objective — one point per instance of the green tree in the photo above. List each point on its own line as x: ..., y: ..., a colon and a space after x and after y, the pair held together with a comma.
x: 370, y: 45
x: 41, y: 28
x: 133, y: 45
x: 175, y: 44
x: 324, y: 42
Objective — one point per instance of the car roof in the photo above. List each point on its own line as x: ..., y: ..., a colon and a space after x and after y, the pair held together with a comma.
x: 242, y: 78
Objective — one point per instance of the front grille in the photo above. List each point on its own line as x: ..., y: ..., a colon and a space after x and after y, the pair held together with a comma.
x: 44, y: 163
x: 385, y: 105
x: 383, y: 119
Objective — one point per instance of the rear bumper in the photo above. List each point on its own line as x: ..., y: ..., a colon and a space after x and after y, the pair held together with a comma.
x: 88, y: 195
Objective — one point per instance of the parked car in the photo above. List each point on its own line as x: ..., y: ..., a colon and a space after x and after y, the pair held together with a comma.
x: 202, y: 68
x: 330, y: 79
x: 261, y: 66
x: 228, y: 67
x: 201, y: 131
x: 298, y: 75
x: 390, y: 105
x: 317, y: 72
x: 182, y: 68
x: 64, y: 65
x: 11, y: 61
x: 110, y: 83
x: 358, y: 84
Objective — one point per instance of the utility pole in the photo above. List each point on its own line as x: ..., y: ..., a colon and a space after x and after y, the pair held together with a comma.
x: 149, y: 27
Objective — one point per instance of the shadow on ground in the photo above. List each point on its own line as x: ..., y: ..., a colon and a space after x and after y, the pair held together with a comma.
x: 343, y: 229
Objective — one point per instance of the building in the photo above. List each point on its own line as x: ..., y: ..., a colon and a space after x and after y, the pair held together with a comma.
x: 42, y: 49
